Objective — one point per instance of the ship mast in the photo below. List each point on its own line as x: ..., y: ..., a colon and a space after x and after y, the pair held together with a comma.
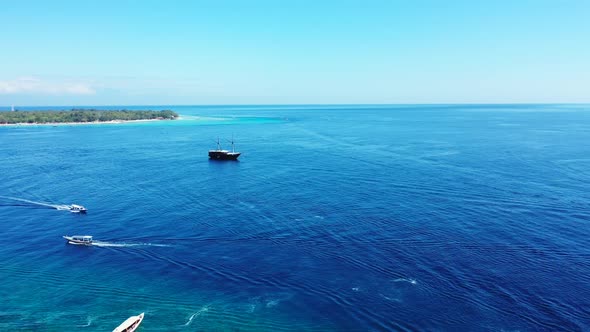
x: 233, y: 150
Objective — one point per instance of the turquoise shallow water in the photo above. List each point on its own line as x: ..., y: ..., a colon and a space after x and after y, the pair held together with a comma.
x: 336, y: 218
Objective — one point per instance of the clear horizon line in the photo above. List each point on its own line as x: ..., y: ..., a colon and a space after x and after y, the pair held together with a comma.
x: 308, y: 104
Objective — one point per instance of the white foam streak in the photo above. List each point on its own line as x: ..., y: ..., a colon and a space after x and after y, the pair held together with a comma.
x: 409, y: 280
x: 54, y: 206
x: 33, y: 202
x: 198, y: 313
x: 88, y: 323
x: 123, y: 244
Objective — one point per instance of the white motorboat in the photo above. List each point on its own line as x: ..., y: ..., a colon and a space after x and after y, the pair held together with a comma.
x: 79, y: 239
x: 77, y: 208
x: 130, y: 324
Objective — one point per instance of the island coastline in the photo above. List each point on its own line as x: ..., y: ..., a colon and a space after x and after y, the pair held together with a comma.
x: 82, y: 116
x: 27, y: 124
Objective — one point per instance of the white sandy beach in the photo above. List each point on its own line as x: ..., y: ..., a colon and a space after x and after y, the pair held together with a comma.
x: 77, y: 123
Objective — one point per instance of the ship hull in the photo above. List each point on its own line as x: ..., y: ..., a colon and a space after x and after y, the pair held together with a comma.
x: 215, y: 155
x: 130, y: 325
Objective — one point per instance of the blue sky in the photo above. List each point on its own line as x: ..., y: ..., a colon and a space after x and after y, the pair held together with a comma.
x: 294, y: 52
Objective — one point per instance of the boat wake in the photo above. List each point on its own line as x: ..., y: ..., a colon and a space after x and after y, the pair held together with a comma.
x: 196, y: 314
x: 48, y: 205
x: 124, y: 245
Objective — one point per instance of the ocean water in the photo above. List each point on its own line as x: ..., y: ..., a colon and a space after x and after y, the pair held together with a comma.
x: 335, y: 218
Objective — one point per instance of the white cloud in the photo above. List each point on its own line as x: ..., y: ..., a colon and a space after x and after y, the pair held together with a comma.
x: 34, y: 85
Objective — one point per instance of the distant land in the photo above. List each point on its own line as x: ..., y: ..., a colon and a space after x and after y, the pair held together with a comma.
x: 75, y: 116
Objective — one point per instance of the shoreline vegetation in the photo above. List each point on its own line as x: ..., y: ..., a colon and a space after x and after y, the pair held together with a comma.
x: 83, y: 116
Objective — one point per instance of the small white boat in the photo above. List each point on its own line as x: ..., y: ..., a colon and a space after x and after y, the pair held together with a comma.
x: 79, y: 239
x: 77, y: 208
x: 130, y: 325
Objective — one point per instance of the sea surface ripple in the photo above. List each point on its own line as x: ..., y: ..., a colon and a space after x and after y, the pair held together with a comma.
x: 336, y: 218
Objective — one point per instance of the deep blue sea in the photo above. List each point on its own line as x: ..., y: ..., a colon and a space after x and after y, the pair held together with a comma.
x: 335, y: 218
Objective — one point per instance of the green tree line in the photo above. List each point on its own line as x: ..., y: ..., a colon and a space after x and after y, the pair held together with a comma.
x: 83, y: 115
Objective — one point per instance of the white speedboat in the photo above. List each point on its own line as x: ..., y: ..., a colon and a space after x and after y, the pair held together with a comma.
x: 77, y: 208
x: 85, y: 240
x: 130, y: 325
